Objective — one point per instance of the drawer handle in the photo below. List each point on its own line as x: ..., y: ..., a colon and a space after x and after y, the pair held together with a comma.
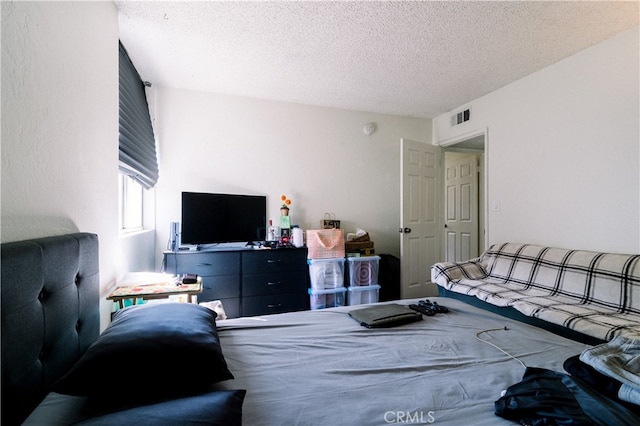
x: 273, y: 260
x: 203, y: 264
x: 274, y: 283
x: 274, y: 305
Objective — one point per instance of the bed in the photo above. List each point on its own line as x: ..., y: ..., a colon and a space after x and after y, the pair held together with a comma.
x: 318, y: 367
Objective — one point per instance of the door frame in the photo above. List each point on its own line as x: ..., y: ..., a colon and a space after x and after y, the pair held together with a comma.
x: 450, y: 145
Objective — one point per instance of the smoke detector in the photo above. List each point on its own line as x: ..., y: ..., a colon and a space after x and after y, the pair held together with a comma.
x: 369, y: 129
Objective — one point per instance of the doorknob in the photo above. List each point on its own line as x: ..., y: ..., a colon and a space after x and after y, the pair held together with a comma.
x: 406, y: 230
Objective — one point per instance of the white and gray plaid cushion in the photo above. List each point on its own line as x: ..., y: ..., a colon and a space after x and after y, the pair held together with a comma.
x: 597, y: 294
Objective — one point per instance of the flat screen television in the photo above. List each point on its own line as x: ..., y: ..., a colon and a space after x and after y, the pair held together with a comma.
x: 222, y: 218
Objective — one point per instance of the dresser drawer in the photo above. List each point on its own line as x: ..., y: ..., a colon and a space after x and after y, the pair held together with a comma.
x: 219, y: 286
x: 274, y: 283
x: 273, y: 304
x: 264, y: 261
x: 204, y: 263
x: 247, y: 281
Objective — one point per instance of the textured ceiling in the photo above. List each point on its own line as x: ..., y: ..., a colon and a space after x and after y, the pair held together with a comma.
x: 417, y: 59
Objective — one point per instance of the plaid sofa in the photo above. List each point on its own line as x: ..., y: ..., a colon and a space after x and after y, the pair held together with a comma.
x: 597, y: 294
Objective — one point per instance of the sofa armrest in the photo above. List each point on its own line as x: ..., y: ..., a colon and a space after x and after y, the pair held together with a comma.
x: 444, y: 272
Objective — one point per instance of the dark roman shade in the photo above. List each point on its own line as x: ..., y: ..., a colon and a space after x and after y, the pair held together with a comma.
x: 137, y: 142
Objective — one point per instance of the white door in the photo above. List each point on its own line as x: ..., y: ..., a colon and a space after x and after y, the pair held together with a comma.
x: 421, y: 226
x: 461, y: 206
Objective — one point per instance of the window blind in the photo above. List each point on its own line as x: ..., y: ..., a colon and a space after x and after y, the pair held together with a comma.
x: 137, y: 142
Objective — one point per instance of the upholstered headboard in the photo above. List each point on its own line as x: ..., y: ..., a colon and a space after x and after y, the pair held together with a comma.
x: 50, y: 315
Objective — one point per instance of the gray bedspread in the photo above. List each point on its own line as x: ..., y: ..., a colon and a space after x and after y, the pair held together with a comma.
x: 323, y: 368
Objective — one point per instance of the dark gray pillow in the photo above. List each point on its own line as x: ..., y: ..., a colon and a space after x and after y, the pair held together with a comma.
x: 222, y: 408
x: 150, y: 351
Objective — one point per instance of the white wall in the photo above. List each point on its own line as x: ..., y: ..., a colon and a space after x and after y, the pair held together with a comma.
x: 60, y: 124
x: 563, y: 151
x: 319, y: 157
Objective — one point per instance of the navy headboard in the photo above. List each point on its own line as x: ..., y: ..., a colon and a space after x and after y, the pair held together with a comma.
x: 50, y: 315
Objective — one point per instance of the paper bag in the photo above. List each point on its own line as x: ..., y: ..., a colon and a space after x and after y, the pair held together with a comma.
x: 325, y: 243
x: 330, y: 221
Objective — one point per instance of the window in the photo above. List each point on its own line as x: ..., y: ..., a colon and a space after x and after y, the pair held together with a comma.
x: 138, y: 163
x: 130, y: 204
x: 137, y: 153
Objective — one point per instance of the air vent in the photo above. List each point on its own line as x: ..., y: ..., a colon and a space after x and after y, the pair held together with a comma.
x: 460, y: 117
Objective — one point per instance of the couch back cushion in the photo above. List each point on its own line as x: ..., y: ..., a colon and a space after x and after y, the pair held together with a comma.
x: 611, y: 280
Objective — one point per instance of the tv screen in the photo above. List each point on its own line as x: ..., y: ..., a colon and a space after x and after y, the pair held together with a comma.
x: 222, y: 218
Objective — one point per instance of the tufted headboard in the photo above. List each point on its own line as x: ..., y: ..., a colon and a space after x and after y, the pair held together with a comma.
x: 50, y: 315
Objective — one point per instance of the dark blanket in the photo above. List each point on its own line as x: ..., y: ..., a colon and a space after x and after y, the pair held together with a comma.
x: 546, y: 397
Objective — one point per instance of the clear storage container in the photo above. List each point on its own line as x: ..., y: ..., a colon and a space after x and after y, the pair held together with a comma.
x: 327, y: 298
x: 326, y: 273
x: 363, y: 271
x: 361, y: 295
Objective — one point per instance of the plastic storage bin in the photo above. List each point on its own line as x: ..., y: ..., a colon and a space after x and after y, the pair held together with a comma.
x: 327, y: 298
x: 363, y: 271
x: 326, y: 273
x: 363, y: 294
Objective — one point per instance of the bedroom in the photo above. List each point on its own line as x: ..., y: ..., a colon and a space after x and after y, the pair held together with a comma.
x: 55, y: 173
x: 59, y: 145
